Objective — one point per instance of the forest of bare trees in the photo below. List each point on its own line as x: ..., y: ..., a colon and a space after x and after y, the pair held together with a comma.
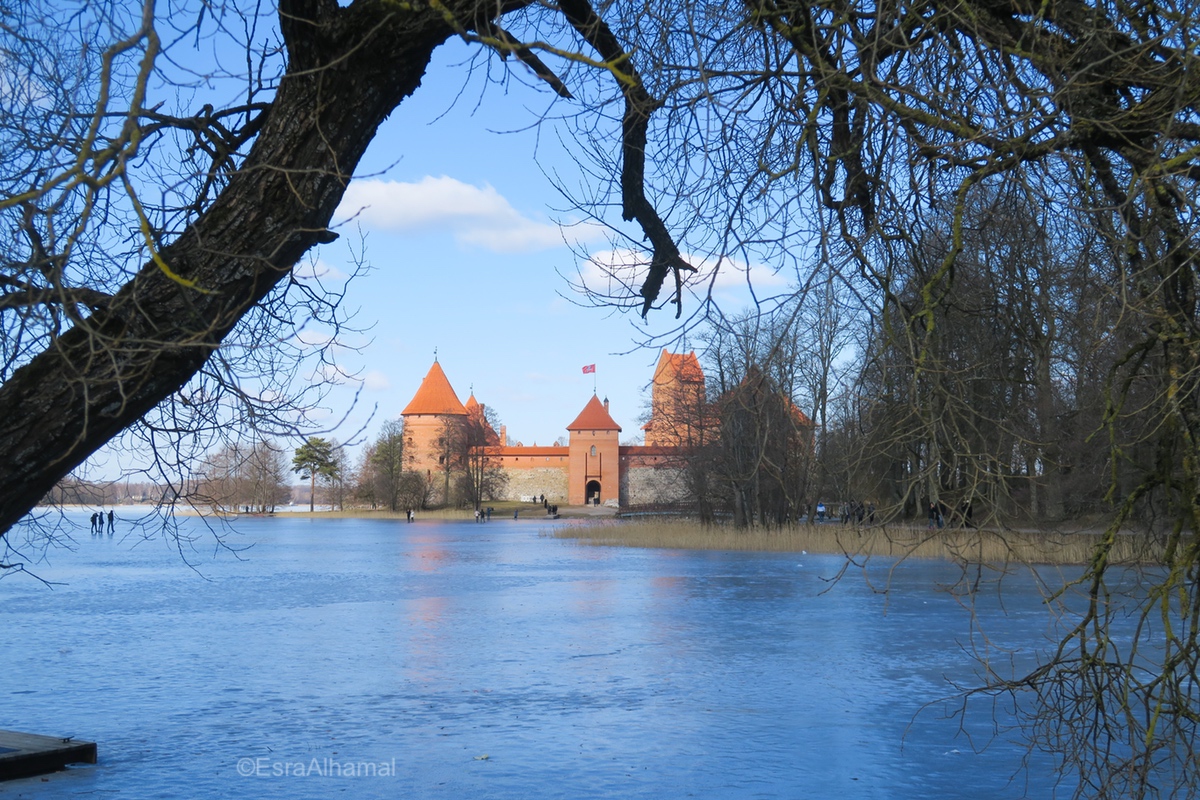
x: 252, y: 477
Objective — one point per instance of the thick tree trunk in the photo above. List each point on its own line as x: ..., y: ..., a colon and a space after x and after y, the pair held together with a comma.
x: 348, y: 69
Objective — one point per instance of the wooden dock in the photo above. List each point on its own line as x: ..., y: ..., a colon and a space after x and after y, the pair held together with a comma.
x: 25, y: 754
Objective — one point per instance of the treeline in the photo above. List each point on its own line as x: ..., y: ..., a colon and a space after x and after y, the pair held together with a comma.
x: 996, y: 371
x: 258, y: 476
x: 75, y: 491
x: 458, y: 469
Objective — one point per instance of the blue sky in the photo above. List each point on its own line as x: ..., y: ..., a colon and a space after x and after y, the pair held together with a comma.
x: 472, y: 251
x: 467, y: 256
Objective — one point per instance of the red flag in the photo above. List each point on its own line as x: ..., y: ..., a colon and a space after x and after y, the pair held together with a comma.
x: 589, y: 368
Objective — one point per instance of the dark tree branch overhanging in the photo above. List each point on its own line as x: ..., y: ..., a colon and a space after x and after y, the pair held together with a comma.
x: 348, y: 68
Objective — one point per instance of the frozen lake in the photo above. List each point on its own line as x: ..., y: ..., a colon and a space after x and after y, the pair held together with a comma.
x: 364, y: 647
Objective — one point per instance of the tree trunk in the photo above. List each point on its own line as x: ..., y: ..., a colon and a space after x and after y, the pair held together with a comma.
x: 348, y: 69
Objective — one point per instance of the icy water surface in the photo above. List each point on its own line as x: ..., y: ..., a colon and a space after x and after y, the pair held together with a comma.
x: 454, y: 660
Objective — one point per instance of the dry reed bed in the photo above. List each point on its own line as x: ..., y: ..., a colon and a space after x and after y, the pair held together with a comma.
x: 970, y: 545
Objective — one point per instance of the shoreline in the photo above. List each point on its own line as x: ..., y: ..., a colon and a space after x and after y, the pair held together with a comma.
x: 501, y: 509
x: 1073, y: 542
x: 1058, y: 546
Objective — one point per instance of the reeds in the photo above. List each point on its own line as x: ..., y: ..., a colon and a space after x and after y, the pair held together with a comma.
x: 895, y: 541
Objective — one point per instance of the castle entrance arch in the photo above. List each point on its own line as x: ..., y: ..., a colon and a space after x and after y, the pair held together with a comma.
x: 592, y: 493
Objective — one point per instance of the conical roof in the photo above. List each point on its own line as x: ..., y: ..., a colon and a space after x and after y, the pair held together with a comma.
x: 594, y: 417
x: 436, y: 396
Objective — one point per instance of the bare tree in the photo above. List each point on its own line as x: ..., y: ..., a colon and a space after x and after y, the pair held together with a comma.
x: 102, y: 326
x: 745, y: 134
x: 386, y: 460
x: 763, y: 448
x: 252, y: 477
x: 477, y: 445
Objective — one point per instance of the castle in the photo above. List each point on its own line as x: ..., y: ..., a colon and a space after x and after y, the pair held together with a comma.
x: 593, y: 468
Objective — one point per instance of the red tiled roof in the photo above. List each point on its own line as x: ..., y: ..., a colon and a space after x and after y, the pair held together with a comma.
x: 435, y: 396
x: 677, y: 365
x: 594, y: 417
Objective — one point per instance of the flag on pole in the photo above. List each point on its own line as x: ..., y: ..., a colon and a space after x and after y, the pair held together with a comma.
x: 589, y: 368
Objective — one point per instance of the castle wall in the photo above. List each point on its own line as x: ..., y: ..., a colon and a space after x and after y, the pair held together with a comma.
x: 592, y: 466
x: 535, y: 481
x: 645, y: 485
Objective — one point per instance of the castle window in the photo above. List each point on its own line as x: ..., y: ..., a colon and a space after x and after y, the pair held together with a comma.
x: 593, y: 450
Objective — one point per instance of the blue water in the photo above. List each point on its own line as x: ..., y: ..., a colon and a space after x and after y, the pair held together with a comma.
x: 401, y: 655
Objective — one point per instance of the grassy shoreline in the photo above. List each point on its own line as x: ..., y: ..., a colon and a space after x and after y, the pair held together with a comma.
x: 1059, y: 547
x: 502, y: 509
x: 1073, y: 543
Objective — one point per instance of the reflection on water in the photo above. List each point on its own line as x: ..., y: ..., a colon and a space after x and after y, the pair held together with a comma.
x: 576, y: 671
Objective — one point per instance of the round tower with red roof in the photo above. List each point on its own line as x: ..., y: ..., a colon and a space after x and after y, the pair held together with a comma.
x: 433, y: 409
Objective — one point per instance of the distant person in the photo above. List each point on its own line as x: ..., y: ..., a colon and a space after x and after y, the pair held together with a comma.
x: 516, y: 511
x: 820, y: 512
x: 111, y: 524
x: 489, y: 513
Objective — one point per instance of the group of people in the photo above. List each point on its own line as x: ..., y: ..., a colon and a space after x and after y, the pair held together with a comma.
x: 98, y: 522
x: 483, y: 514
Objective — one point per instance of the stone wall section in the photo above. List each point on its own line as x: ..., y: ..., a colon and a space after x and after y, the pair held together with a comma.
x: 550, y: 481
x: 648, y: 485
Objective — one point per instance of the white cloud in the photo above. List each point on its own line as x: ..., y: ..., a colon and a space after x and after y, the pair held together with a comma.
x: 475, y: 215
x: 614, y: 272
x: 315, y: 268
x: 376, y: 381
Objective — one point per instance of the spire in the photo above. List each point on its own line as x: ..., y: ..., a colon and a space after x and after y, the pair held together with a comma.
x: 436, y: 395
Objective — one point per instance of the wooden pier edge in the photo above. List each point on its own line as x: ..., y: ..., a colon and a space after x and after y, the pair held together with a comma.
x: 25, y: 754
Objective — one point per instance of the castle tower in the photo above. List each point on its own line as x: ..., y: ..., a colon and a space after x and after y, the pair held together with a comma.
x: 434, y: 407
x: 676, y: 401
x: 594, y: 460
